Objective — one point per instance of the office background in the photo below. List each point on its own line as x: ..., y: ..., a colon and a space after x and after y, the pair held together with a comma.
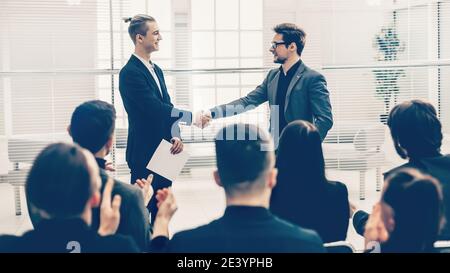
x: 56, y: 54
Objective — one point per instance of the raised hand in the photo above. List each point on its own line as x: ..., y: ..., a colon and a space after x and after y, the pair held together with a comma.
x: 109, y: 211
x: 146, y: 186
x: 167, y: 207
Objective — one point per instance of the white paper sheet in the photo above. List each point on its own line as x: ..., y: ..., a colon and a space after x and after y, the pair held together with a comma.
x: 166, y: 164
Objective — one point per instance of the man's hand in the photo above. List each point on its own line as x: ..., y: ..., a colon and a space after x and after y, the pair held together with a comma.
x: 146, y: 186
x: 177, y: 146
x: 202, y: 119
x: 167, y: 207
x: 109, y: 212
x: 376, y: 229
x: 109, y: 167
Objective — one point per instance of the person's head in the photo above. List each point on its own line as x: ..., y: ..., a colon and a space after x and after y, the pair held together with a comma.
x: 288, y: 42
x: 64, y: 182
x: 245, y: 167
x: 415, y: 129
x: 144, y: 32
x: 300, y: 152
x: 412, y: 210
x: 92, y: 126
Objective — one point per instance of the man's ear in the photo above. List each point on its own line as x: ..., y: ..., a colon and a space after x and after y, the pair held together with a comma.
x: 272, y: 178
x: 68, y: 130
x: 95, y: 200
x: 293, y: 46
x: 217, y: 178
x: 109, y: 143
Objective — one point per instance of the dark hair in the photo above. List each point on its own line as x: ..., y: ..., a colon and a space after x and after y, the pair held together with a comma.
x: 138, y: 25
x: 241, y: 155
x: 92, y: 124
x: 59, y: 181
x: 300, y: 155
x: 416, y: 201
x: 292, y: 34
x: 416, y: 128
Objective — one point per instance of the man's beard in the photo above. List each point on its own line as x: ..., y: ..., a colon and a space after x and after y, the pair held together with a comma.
x: 277, y: 60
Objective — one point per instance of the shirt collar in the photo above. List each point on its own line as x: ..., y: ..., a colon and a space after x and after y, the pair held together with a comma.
x: 293, y: 68
x: 148, y: 64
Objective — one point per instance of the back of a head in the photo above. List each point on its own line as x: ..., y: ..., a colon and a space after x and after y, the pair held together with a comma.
x: 244, y: 153
x: 59, y: 182
x: 93, y: 124
x: 138, y: 25
x: 416, y: 202
x: 300, y: 152
x: 415, y: 129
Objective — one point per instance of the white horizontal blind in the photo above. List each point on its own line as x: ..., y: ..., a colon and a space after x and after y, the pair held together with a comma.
x: 57, y: 54
x: 49, y: 50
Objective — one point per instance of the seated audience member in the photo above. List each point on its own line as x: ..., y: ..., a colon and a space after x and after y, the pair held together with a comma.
x: 417, y: 135
x: 409, y: 216
x: 303, y: 194
x: 245, y: 163
x: 92, y: 127
x: 62, y: 187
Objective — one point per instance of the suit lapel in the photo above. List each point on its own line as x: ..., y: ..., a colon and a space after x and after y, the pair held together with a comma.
x: 294, y: 81
x: 166, y: 97
x: 272, y: 88
x: 147, y: 75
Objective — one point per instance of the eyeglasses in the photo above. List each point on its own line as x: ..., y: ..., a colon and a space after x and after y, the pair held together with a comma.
x: 273, y: 45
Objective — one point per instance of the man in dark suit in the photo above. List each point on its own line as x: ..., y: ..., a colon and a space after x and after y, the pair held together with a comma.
x: 62, y: 187
x: 92, y: 127
x: 151, y: 115
x: 417, y: 135
x: 245, y: 163
x: 294, y: 91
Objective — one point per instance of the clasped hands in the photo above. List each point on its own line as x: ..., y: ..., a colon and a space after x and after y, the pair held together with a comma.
x: 202, y: 118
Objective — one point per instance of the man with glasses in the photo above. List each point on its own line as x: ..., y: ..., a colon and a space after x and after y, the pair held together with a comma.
x: 294, y: 91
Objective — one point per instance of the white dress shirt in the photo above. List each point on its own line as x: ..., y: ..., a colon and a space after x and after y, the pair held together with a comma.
x: 151, y: 69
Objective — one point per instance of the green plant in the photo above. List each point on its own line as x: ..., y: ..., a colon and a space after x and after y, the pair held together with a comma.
x: 388, y: 46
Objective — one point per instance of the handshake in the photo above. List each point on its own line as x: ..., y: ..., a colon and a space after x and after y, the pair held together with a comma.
x: 202, y: 118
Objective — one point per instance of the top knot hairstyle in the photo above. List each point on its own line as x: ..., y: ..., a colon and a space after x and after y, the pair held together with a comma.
x: 138, y: 25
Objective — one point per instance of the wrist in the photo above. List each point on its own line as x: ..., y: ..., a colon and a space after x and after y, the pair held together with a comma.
x: 103, y: 231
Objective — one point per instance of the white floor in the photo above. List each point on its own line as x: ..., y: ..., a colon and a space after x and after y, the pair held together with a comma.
x: 199, y: 201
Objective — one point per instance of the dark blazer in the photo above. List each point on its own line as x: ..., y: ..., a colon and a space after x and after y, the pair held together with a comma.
x: 326, y: 211
x: 438, y: 167
x: 134, y: 218
x: 307, y: 98
x: 53, y: 236
x: 245, y: 229
x: 151, y: 117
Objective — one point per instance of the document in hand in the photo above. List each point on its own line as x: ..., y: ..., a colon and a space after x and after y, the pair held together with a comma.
x: 166, y: 164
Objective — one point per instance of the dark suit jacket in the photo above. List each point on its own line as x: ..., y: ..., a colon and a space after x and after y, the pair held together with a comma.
x: 151, y: 117
x: 134, y: 218
x: 246, y: 230
x: 53, y: 236
x: 307, y: 98
x: 438, y: 167
x: 326, y: 211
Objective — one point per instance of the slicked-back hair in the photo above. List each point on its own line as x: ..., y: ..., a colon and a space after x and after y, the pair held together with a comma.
x: 138, y: 25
